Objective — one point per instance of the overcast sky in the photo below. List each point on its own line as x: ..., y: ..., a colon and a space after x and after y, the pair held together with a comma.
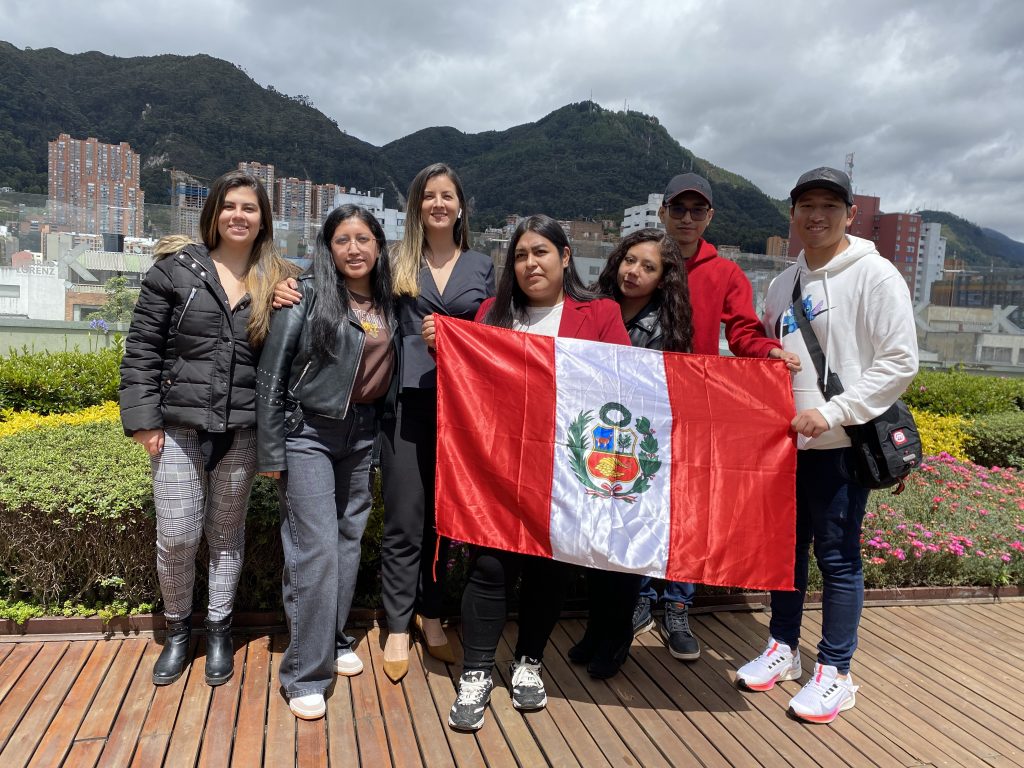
x: 928, y: 94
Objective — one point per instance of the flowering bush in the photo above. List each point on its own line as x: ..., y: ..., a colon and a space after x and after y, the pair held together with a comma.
x: 955, y: 524
x: 16, y: 421
x: 941, y: 433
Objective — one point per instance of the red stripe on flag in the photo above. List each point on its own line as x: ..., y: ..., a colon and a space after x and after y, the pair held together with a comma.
x: 733, y: 472
x: 495, y: 423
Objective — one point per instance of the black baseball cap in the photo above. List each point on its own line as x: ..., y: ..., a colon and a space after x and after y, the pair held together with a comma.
x: 823, y: 178
x: 687, y: 182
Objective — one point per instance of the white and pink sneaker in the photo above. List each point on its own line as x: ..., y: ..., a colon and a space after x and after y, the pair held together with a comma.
x: 824, y: 697
x: 776, y: 663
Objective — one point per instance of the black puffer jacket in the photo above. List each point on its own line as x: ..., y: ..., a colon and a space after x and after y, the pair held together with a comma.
x: 645, y: 328
x: 187, y: 360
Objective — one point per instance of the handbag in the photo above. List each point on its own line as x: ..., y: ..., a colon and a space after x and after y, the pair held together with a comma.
x: 886, y: 449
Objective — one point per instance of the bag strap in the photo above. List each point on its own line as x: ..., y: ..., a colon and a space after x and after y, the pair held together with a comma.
x: 826, y: 380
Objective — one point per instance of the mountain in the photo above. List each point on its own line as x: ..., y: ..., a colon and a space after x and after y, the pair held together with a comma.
x: 973, y: 244
x: 196, y: 113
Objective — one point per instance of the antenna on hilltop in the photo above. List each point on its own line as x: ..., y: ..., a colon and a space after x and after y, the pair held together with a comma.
x: 849, y: 166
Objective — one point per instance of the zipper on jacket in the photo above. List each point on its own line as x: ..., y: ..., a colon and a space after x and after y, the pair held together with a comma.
x: 302, y: 375
x: 191, y: 296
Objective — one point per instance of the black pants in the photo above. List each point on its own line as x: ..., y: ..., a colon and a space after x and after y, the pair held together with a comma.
x: 484, y: 604
x: 612, y: 598
x: 408, y: 457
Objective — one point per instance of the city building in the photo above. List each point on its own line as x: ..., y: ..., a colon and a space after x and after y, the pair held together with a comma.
x: 265, y: 173
x: 94, y: 187
x: 188, y: 195
x: 931, y: 257
x: 293, y: 204
x: 643, y: 216
x: 325, y: 197
x: 777, y: 247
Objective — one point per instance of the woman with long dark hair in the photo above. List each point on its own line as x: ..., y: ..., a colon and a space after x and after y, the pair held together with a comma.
x: 187, y: 395
x: 541, y: 293
x: 435, y: 271
x: 327, y: 364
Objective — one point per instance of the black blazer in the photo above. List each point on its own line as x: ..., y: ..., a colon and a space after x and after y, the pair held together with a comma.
x: 471, y: 281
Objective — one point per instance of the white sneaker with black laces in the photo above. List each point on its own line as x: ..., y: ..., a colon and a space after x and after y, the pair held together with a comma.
x: 777, y: 662
x: 824, y: 697
x: 527, y: 688
x: 467, y: 713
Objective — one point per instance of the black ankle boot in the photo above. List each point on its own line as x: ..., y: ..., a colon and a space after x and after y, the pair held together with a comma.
x: 174, y: 656
x: 220, y: 656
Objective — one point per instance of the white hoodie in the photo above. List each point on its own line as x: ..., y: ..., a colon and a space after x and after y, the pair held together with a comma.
x: 860, y: 309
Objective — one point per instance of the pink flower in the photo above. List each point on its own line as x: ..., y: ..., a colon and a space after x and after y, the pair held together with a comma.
x: 899, y: 554
x: 1005, y: 558
x: 877, y: 560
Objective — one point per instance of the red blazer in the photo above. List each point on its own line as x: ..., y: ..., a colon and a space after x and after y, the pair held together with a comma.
x: 596, y: 320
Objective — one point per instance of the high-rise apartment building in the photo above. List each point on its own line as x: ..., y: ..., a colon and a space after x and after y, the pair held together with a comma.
x: 94, y: 187
x: 265, y: 173
x: 777, y: 247
x: 293, y: 203
x: 324, y: 196
x: 188, y: 195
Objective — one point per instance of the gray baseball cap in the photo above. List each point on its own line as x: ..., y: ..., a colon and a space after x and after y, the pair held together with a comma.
x: 687, y: 182
x: 823, y: 178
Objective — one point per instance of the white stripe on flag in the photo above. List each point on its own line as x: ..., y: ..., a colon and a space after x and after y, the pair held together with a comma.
x: 597, y: 519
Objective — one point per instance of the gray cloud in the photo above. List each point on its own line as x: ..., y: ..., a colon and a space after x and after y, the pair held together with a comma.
x: 929, y: 95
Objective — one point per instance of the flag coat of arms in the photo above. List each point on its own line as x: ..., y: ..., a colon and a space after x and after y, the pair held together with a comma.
x: 669, y: 465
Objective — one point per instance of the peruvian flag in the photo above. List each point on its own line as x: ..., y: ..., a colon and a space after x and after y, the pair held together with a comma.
x: 670, y: 465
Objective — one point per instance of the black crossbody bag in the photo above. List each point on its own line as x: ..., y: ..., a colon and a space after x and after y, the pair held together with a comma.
x: 887, y: 448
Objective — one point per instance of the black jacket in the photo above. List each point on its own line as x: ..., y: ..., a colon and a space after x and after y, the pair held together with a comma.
x: 187, y: 359
x: 291, y: 382
x: 645, y: 328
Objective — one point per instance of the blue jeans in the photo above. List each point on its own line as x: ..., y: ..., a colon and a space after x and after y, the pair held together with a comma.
x: 325, y: 499
x: 829, y: 512
x: 674, y: 591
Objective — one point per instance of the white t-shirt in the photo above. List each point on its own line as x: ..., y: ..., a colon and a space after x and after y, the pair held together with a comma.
x: 543, y: 321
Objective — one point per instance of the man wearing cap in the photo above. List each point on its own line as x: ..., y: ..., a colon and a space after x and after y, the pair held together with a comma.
x: 719, y: 293
x: 859, y: 308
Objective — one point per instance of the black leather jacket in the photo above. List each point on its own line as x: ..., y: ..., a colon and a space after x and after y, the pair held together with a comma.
x: 645, y: 328
x: 187, y: 359
x: 291, y: 382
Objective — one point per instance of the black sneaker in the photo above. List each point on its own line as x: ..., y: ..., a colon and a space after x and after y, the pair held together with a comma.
x: 675, y: 631
x: 527, y: 687
x: 642, y: 618
x: 467, y: 713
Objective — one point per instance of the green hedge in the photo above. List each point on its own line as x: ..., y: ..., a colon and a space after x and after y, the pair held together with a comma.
x: 958, y: 393
x: 59, y: 382
x: 996, y: 440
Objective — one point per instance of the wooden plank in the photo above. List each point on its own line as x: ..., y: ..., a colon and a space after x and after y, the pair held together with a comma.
x: 426, y: 720
x: 1002, y: 617
x: 58, y: 737
x: 311, y: 743
x: 21, y: 696
x: 465, y: 751
x: 280, y: 746
x: 84, y: 754
x: 823, y: 745
x: 5, y: 650
x: 37, y: 719
x: 126, y: 726
x: 14, y: 666
x: 371, y: 730
x: 931, y: 673
x: 252, y: 710
x: 186, y: 738
x: 155, y: 735
x: 215, y: 751
x: 955, y: 632
x: 107, y: 702
x: 341, y: 725
x: 493, y: 747
x: 992, y: 627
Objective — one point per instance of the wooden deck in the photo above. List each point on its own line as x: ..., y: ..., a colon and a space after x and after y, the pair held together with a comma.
x: 940, y: 685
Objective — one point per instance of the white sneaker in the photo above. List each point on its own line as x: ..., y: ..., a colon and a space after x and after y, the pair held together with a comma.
x: 527, y: 686
x: 347, y: 663
x: 776, y: 663
x: 824, y: 697
x: 309, y: 707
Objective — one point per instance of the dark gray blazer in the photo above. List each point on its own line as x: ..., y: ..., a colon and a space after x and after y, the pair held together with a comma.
x: 471, y: 281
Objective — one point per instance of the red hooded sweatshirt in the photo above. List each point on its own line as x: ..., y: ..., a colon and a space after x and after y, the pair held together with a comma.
x: 720, y: 293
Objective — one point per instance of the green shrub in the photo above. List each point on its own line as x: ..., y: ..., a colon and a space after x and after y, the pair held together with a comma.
x: 996, y: 440
x: 58, y: 382
x: 958, y: 393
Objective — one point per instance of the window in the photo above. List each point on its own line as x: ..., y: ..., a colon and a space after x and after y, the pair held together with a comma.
x: 10, y: 291
x: 996, y: 355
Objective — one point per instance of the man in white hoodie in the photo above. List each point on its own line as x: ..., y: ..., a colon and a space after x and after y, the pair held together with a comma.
x: 860, y: 310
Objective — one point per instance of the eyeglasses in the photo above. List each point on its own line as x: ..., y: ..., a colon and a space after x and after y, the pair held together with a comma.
x: 677, y: 211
